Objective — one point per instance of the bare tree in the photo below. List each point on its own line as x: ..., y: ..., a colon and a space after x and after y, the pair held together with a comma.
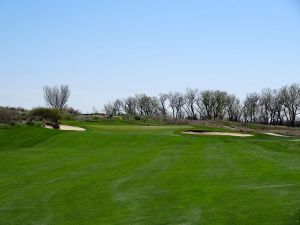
x: 219, y: 104
x: 278, y: 108
x: 200, y: 106
x: 172, y: 100
x: 130, y: 106
x: 206, y: 102
x: 291, y: 101
x: 265, y: 105
x: 141, y: 101
x: 162, y: 107
x: 233, y: 108
x: 212, y: 104
x: 118, y: 105
x: 179, y: 106
x: 251, y: 107
x: 109, y: 109
x: 190, y: 99
x: 176, y: 100
x: 57, y: 96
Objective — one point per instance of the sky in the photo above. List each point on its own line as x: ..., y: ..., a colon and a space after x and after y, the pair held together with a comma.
x: 108, y: 49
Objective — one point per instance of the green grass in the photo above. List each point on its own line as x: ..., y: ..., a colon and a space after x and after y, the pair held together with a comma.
x: 120, y: 174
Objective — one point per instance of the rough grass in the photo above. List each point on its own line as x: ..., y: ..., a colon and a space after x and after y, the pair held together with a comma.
x: 120, y: 174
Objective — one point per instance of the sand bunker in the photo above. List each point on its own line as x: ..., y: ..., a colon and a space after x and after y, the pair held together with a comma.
x: 66, y: 127
x: 276, y: 135
x: 210, y: 133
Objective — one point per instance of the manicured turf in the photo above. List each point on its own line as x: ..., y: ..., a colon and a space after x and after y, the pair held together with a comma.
x: 119, y: 174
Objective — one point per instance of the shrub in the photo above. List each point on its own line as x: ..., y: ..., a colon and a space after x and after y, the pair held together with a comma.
x: 69, y: 113
x: 49, y: 116
x: 11, y: 115
x: 72, y: 111
x: 6, y: 117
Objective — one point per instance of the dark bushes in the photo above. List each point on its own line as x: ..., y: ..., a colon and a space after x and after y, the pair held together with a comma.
x: 48, y: 116
x: 11, y: 115
x: 7, y: 116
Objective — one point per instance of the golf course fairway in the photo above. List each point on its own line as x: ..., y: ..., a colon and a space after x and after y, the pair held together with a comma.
x: 130, y: 174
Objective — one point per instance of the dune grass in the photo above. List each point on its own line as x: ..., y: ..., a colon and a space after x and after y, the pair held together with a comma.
x: 120, y: 174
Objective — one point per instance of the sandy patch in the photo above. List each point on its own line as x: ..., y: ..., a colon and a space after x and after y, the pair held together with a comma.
x: 275, y: 135
x: 218, y: 134
x: 66, y: 127
x: 275, y: 186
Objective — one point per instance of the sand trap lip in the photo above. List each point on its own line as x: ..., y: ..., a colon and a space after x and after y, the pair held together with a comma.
x: 66, y: 127
x: 276, y: 135
x: 215, y: 133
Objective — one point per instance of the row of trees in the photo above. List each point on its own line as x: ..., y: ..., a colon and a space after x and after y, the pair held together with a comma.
x: 270, y: 106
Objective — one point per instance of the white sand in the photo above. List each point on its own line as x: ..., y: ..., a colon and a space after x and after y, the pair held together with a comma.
x: 276, y: 135
x: 66, y: 127
x: 218, y: 134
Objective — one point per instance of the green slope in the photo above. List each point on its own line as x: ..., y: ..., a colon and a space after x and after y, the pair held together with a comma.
x: 119, y: 174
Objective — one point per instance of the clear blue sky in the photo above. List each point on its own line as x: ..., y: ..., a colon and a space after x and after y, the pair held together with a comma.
x: 109, y: 49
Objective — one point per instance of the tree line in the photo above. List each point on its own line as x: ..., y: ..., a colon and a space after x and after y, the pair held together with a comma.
x: 269, y: 106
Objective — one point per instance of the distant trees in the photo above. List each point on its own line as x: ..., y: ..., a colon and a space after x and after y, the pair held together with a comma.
x: 290, y: 97
x: 190, y: 99
x: 114, y: 108
x: 275, y: 107
x: 162, y: 105
x: 129, y: 106
x: 250, y: 109
x: 57, y: 96
x: 212, y: 104
x: 233, y: 108
x: 206, y: 104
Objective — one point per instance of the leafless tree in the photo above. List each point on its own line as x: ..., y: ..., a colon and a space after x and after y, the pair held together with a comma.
x: 219, y: 106
x: 278, y: 108
x: 291, y: 101
x: 190, y: 99
x: 109, y: 109
x: 141, y: 101
x: 212, y: 104
x: 206, y: 103
x: 172, y: 100
x: 129, y: 106
x: 265, y: 105
x: 200, y: 107
x: 155, y: 103
x: 146, y: 105
x: 179, y: 106
x: 162, y: 105
x: 118, y: 105
x: 176, y: 100
x: 57, y: 96
x: 233, y: 108
x: 251, y: 107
